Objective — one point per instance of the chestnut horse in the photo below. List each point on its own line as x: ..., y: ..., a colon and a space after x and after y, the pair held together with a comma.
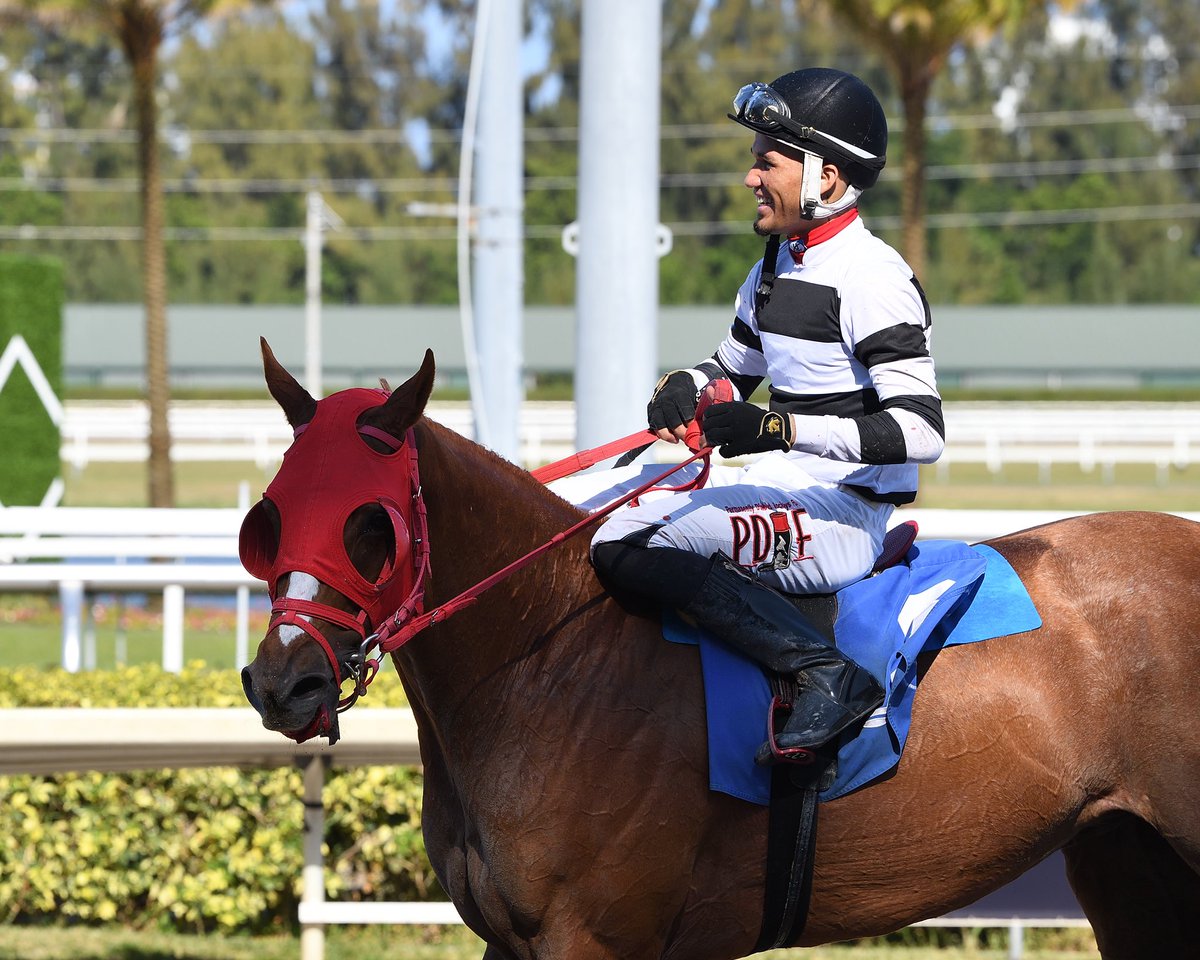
x: 567, y: 810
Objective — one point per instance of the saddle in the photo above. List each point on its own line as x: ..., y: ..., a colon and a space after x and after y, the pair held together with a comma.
x: 822, y: 608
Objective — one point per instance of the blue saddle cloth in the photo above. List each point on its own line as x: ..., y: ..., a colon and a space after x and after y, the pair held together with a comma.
x: 944, y: 593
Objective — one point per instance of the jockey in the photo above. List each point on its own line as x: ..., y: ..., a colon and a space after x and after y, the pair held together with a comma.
x: 836, y: 320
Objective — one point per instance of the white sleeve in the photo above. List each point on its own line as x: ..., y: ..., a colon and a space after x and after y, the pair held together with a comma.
x: 837, y: 438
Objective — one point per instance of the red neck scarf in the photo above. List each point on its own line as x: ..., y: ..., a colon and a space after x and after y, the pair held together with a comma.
x: 820, y: 233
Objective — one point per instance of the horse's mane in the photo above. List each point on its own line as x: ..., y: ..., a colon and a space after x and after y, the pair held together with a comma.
x: 497, y: 479
x: 498, y: 512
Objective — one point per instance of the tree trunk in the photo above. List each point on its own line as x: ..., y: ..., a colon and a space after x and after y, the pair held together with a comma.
x: 143, y: 56
x: 914, y: 93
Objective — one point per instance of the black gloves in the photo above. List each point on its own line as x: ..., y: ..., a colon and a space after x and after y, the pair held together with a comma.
x: 733, y: 425
x: 673, y: 403
x: 738, y: 427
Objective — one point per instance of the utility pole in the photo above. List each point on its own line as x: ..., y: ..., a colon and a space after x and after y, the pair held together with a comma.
x: 319, y: 217
x: 498, y: 275
x: 617, y: 239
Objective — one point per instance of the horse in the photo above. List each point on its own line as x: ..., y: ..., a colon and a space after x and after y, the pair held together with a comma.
x: 567, y: 811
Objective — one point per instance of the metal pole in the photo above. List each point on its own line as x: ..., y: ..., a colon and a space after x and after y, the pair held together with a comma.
x: 498, y: 287
x: 616, y: 291
x: 312, y: 882
x: 313, y: 227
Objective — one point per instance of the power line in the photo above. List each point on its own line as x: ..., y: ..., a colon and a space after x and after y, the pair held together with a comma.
x: 1003, y: 218
x: 424, y: 185
x: 389, y: 136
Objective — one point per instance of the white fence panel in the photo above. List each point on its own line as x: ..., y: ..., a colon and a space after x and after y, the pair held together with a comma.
x: 1089, y: 435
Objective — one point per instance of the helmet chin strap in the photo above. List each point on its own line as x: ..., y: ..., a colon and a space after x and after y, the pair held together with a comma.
x: 811, y: 205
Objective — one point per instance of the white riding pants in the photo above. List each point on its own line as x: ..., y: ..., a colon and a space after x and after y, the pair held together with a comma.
x: 801, y: 535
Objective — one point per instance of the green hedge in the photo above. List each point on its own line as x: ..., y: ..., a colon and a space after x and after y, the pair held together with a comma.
x: 31, y: 304
x: 209, y: 848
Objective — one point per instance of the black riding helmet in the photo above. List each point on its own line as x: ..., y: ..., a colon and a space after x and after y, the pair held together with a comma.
x: 824, y: 111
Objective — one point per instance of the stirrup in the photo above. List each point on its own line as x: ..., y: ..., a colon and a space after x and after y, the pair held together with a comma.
x: 777, y: 717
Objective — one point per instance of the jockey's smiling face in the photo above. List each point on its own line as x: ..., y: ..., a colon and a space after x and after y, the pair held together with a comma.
x: 776, y: 176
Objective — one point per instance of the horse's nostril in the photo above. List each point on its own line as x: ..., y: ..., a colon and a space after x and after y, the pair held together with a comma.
x: 248, y: 689
x: 305, y: 686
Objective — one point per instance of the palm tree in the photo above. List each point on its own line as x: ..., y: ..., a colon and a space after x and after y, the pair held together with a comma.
x: 914, y: 38
x: 140, y: 26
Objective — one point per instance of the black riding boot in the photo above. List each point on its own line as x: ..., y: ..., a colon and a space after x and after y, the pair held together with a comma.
x: 834, y: 693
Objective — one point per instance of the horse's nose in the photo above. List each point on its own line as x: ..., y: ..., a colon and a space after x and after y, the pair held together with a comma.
x: 288, y: 698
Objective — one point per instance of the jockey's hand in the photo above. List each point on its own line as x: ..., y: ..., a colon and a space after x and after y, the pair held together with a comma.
x: 673, y: 405
x: 738, y: 428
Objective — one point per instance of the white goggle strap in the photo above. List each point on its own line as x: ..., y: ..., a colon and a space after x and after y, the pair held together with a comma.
x: 810, y: 185
x: 811, y: 205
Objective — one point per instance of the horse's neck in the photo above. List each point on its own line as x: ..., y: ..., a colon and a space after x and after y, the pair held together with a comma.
x: 485, y: 513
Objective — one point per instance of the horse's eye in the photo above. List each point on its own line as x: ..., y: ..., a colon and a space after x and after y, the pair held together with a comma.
x: 370, y: 541
x: 379, y: 524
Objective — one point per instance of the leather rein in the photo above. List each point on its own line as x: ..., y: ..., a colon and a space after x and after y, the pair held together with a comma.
x: 410, y: 619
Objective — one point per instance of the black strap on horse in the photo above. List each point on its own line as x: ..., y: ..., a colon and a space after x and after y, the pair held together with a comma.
x: 791, y: 838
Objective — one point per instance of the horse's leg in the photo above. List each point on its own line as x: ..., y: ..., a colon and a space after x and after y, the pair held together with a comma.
x: 1141, y: 897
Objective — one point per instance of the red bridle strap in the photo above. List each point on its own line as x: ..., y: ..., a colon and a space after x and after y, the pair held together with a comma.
x: 292, y: 611
x: 401, y: 627
x: 293, y: 619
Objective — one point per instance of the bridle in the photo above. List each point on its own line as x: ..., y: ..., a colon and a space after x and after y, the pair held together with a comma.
x: 293, y: 611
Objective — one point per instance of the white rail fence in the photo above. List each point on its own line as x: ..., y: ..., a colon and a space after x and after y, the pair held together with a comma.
x: 1085, y: 435
x: 1091, y: 436
x: 79, y: 553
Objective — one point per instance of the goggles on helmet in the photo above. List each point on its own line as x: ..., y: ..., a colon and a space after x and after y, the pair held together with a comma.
x: 759, y: 107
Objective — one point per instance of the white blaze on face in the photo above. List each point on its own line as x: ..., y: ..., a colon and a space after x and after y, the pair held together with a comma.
x: 301, y: 586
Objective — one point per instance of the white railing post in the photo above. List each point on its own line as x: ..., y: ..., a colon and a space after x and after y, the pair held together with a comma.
x: 241, y: 653
x: 172, y: 652
x: 1016, y: 940
x: 70, y: 598
x: 312, y: 935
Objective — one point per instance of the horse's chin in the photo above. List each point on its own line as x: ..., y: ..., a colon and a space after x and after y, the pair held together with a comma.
x: 323, y: 724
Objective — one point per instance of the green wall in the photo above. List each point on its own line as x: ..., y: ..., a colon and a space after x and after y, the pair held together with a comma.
x: 31, y: 304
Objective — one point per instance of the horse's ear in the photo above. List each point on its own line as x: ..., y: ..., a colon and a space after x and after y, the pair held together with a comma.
x: 407, y: 402
x: 298, y: 405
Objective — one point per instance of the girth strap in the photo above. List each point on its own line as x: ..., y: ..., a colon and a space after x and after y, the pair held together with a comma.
x: 791, y: 838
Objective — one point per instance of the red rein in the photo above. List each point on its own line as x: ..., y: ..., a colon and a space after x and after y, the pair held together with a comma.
x: 408, y: 621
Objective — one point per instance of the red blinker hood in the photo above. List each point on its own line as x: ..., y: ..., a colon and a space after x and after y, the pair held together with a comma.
x: 327, y: 473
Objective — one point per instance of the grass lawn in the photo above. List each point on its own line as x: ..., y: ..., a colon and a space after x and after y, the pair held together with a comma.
x: 199, y: 484
x: 125, y: 634
x: 1020, y: 487
x: 453, y: 943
